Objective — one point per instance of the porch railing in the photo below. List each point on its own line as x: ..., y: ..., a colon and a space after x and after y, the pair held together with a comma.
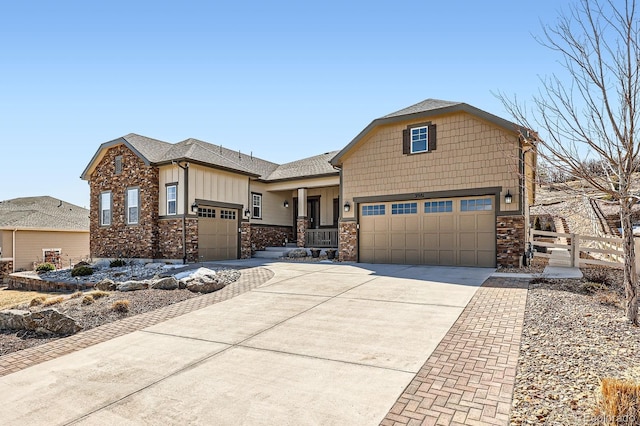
x: 327, y: 237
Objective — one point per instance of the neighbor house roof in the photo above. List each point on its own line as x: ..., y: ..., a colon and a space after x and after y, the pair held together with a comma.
x: 156, y: 152
x: 42, y: 213
x: 424, y: 110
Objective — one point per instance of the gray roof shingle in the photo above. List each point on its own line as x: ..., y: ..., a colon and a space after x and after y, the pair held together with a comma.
x: 426, y: 105
x: 154, y: 151
x: 312, y: 166
x: 42, y: 213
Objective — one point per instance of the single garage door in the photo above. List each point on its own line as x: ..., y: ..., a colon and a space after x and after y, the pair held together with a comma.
x: 217, y: 234
x: 454, y: 231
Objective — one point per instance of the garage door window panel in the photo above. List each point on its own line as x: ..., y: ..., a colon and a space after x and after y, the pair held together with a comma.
x: 480, y: 204
x: 375, y: 210
x: 404, y: 208
x: 438, y: 206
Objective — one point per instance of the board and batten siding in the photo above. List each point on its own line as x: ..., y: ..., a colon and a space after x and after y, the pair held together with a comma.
x: 205, y: 184
x: 74, y: 246
x: 470, y: 153
x: 6, y: 244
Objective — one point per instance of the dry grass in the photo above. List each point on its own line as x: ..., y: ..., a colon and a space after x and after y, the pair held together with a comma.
x: 97, y: 294
x: 619, y: 402
x: 37, y: 301
x: 120, y: 306
x: 88, y: 299
x: 53, y: 301
x: 11, y: 298
x: 76, y: 295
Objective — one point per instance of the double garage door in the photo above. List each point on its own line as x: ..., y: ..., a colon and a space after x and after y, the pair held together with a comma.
x: 452, y: 231
x: 217, y: 234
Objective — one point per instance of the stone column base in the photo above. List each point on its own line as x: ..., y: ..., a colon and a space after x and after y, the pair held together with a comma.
x: 348, y: 241
x: 245, y: 240
x: 510, y: 236
x: 302, y: 225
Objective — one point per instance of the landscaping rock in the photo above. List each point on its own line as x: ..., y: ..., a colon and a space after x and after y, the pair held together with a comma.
x: 132, y: 286
x: 50, y: 321
x: 47, y: 321
x: 106, y: 285
x: 204, y: 285
x: 168, y: 283
x: 299, y: 252
x: 13, y: 319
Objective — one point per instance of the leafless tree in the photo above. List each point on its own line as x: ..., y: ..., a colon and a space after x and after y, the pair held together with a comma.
x: 589, y: 112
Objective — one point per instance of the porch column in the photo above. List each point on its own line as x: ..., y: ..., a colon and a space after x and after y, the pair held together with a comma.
x: 302, y: 221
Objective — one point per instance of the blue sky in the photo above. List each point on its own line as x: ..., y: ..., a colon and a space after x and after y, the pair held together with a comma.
x: 282, y: 79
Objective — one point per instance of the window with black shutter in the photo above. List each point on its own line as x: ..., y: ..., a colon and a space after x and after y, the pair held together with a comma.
x: 419, y: 138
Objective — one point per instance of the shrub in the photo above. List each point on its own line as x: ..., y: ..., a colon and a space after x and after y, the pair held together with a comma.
x: 619, y: 402
x: 607, y: 298
x: 37, y: 301
x: 76, y: 295
x: 88, y: 300
x: 81, y: 271
x: 117, y: 263
x: 595, y: 275
x: 45, y: 267
x: 97, y: 294
x: 53, y: 301
x: 121, y: 306
x: 591, y: 287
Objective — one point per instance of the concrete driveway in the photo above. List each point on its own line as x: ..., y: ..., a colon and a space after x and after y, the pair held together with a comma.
x: 325, y: 344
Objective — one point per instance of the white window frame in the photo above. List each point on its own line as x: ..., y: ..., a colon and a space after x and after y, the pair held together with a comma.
x: 426, y: 140
x: 256, y: 203
x: 174, y: 200
x: 130, y: 219
x: 104, y: 208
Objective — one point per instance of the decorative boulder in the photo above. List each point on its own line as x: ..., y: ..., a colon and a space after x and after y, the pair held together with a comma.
x: 204, y: 285
x: 168, y: 283
x: 106, y: 285
x: 132, y: 286
x: 50, y: 321
x: 299, y: 252
x: 13, y: 319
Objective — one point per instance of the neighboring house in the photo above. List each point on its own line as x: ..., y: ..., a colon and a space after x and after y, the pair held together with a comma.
x: 426, y: 185
x: 439, y: 183
x: 39, y: 229
x: 195, y: 201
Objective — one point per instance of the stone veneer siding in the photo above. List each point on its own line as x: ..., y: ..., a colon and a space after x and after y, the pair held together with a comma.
x: 270, y: 235
x: 348, y: 241
x: 510, y: 235
x: 170, y: 239
x: 6, y: 267
x: 301, y: 230
x: 245, y: 240
x: 120, y: 240
x: 21, y: 282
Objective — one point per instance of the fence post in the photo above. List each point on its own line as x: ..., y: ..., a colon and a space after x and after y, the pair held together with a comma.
x: 575, y: 250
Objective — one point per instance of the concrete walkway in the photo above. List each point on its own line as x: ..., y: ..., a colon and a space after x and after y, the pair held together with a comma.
x: 317, y: 344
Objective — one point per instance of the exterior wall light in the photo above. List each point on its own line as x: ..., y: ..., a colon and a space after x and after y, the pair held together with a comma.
x: 247, y: 213
x: 286, y: 204
x: 194, y: 207
x: 508, y: 198
x: 347, y: 206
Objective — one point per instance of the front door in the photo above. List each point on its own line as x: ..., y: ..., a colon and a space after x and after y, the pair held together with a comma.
x: 313, y: 212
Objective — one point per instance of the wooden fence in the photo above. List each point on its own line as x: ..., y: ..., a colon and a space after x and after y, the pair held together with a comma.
x: 597, y: 250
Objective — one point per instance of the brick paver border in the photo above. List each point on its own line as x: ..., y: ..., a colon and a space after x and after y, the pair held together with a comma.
x: 249, y: 279
x: 469, y: 378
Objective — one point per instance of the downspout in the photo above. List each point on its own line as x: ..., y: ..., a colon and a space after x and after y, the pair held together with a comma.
x: 13, y: 253
x: 185, y: 197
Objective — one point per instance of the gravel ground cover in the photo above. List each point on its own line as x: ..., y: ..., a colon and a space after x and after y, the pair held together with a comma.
x: 575, y: 333
x: 101, y: 311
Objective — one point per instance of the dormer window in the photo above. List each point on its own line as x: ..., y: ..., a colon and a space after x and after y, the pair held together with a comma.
x: 419, y: 139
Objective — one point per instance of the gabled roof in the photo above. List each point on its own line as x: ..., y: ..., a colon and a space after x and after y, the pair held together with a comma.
x: 42, y: 213
x: 156, y: 152
x: 423, y: 110
x: 312, y: 166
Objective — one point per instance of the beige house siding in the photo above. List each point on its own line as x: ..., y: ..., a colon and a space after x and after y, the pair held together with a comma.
x: 470, y: 153
x: 273, y: 210
x: 6, y: 244
x: 204, y: 183
x: 74, y: 246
